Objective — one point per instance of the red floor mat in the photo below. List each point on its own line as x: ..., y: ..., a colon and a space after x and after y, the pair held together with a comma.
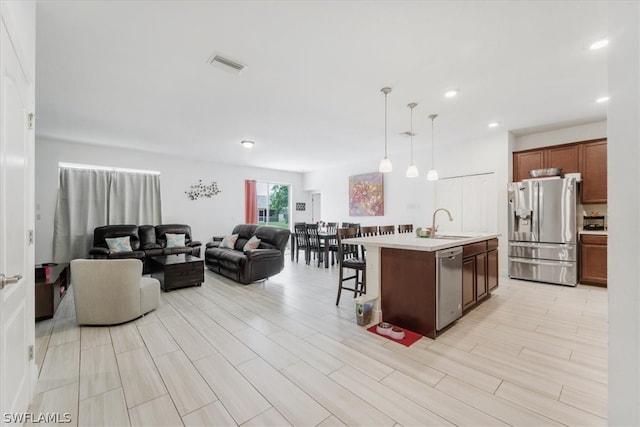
x: 409, y: 337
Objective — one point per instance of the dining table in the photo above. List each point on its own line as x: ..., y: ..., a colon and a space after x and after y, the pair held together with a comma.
x: 325, y: 237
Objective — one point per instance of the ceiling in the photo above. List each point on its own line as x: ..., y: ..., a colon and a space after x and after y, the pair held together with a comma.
x: 136, y: 74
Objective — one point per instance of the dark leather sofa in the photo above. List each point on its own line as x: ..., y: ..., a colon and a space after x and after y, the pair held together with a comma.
x: 251, y: 265
x: 146, y: 241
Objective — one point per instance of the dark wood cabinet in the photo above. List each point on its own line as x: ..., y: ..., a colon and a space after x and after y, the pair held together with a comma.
x: 468, y: 282
x: 492, y: 269
x: 565, y: 157
x: 479, y: 271
x: 589, y: 158
x: 593, y: 259
x: 408, y: 284
x: 481, y: 276
x: 524, y: 161
x: 593, y: 161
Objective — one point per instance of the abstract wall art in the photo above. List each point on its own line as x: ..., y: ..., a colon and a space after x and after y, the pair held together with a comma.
x: 366, y: 195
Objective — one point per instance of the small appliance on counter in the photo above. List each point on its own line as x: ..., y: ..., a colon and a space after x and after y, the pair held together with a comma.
x: 593, y: 222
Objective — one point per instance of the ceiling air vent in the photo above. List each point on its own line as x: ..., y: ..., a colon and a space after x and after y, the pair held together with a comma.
x: 226, y: 64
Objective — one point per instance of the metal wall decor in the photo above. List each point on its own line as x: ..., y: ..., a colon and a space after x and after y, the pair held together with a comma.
x: 201, y: 190
x: 301, y: 206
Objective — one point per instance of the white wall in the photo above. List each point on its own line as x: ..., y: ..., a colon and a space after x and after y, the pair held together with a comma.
x: 623, y: 157
x: 206, y: 216
x: 411, y: 200
x: 585, y: 132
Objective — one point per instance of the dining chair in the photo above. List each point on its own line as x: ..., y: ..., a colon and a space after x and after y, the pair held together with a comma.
x: 314, y: 243
x: 332, y: 229
x: 349, y: 261
x: 405, y: 228
x: 369, y: 230
x: 386, y: 229
x: 300, y: 230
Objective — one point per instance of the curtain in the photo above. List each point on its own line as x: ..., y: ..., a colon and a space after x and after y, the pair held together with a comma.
x: 134, y: 198
x: 90, y: 198
x: 81, y: 207
x: 250, y: 202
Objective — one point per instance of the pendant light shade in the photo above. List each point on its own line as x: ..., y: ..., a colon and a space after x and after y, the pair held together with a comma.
x: 412, y: 170
x: 385, y: 164
x: 432, y: 175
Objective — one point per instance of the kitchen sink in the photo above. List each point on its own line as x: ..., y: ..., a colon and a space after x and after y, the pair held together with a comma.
x: 450, y: 237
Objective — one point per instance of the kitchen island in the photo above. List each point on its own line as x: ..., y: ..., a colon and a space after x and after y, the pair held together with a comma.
x: 401, y: 275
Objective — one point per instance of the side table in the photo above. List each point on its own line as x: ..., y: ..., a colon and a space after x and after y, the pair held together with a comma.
x: 50, y: 289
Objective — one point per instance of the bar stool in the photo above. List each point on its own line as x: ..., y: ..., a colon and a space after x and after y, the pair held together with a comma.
x: 349, y: 260
x: 405, y: 228
x: 386, y: 229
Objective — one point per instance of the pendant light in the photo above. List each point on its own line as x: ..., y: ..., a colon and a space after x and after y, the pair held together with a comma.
x: 412, y: 170
x: 385, y: 164
x: 432, y: 175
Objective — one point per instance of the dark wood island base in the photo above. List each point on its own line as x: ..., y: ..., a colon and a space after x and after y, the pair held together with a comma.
x: 408, y: 284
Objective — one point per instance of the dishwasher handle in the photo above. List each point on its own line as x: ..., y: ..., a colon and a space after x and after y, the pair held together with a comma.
x: 449, y: 253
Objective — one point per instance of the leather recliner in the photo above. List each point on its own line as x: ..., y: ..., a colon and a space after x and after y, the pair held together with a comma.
x: 146, y: 241
x: 252, y: 265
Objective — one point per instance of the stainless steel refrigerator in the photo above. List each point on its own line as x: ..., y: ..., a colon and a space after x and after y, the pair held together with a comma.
x: 542, y: 230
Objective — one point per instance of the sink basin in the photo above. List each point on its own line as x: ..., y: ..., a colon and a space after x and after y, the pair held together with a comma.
x: 450, y: 237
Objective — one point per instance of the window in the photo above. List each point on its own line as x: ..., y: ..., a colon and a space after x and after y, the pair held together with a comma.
x: 273, y: 204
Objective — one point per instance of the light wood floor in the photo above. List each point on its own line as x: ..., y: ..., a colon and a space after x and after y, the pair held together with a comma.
x: 281, y: 353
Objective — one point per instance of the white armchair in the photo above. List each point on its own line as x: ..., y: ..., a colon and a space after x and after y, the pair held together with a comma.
x: 112, y: 291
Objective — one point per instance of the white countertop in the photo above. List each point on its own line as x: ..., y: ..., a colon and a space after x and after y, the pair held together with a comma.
x: 412, y: 242
x: 596, y: 232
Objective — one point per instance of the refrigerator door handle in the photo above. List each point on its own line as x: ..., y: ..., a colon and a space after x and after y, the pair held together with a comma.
x: 542, y: 262
x: 537, y: 208
x: 541, y: 245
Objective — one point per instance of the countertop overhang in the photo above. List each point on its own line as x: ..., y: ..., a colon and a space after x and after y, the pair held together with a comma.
x: 412, y: 242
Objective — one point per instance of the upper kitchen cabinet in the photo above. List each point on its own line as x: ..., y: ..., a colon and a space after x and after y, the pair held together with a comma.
x: 588, y: 157
x: 524, y: 161
x: 565, y: 157
x: 593, y: 159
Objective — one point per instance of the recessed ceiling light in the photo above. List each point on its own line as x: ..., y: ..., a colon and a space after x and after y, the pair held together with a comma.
x: 599, y: 44
x: 602, y: 99
x: 247, y: 144
x: 494, y: 124
x: 450, y: 93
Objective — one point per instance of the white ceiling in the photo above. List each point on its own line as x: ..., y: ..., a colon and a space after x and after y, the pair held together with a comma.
x: 135, y: 74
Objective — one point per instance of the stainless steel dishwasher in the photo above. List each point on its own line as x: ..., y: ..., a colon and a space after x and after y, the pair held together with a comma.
x: 448, y: 286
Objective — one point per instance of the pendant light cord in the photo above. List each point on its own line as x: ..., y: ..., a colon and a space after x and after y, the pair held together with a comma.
x: 432, y: 117
x: 385, y: 125
x: 411, y: 135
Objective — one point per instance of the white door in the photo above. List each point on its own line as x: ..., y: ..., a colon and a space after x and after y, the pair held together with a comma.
x: 480, y: 203
x: 449, y: 196
x: 316, y: 207
x: 16, y: 254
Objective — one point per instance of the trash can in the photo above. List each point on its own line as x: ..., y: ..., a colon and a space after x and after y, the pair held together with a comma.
x: 364, y: 309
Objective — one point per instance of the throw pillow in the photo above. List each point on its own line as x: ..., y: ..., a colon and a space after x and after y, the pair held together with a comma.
x: 253, y: 243
x: 229, y: 242
x: 175, y: 240
x: 119, y: 244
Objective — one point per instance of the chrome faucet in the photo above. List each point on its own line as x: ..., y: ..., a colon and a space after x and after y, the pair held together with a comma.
x: 433, y: 220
